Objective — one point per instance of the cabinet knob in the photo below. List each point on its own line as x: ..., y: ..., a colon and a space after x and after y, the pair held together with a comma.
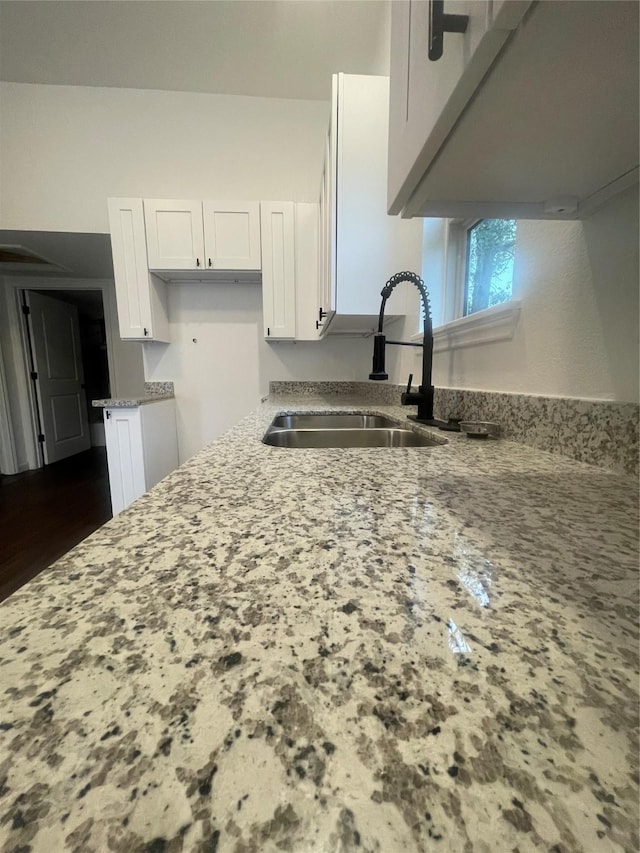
x: 146, y: 332
x: 197, y: 262
x: 441, y: 23
x: 107, y: 414
x: 209, y: 261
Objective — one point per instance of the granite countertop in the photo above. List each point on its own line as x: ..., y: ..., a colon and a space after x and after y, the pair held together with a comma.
x: 152, y: 393
x: 128, y: 402
x: 328, y: 650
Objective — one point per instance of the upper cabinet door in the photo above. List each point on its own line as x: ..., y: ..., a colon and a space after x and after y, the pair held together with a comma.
x: 278, y: 269
x: 141, y: 298
x: 175, y: 237
x: 428, y: 96
x: 232, y: 235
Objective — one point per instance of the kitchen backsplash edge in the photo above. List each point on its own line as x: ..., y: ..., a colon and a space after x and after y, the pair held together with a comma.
x: 159, y: 389
x: 597, y: 432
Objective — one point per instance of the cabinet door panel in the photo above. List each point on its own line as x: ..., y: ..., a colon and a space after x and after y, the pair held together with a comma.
x: 123, y: 436
x: 278, y: 269
x: 306, y: 270
x: 175, y: 239
x: 128, y: 246
x: 232, y: 235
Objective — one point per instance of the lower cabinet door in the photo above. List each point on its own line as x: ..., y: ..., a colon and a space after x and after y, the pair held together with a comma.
x: 125, y: 456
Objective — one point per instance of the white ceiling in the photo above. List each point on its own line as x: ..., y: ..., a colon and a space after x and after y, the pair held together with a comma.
x: 269, y: 48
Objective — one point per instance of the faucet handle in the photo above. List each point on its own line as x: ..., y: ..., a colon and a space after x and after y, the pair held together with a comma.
x: 409, y: 397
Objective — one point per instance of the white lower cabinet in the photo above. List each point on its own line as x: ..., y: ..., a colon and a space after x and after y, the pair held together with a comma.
x: 142, y: 448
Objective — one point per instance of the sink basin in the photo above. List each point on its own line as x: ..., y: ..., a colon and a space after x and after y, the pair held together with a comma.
x: 383, y: 437
x: 330, y: 420
x: 336, y: 430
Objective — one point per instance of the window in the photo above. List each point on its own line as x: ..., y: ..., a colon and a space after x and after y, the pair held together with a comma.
x: 468, y: 266
x: 488, y: 274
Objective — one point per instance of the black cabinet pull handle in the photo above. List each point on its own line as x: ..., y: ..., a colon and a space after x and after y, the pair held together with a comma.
x: 197, y: 262
x: 209, y: 261
x: 146, y: 332
x: 441, y: 23
x: 321, y: 315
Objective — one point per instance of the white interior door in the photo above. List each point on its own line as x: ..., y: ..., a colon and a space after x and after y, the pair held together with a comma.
x: 55, y: 343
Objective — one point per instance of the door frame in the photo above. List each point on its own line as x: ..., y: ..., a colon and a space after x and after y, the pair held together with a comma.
x: 24, y: 412
x: 8, y: 460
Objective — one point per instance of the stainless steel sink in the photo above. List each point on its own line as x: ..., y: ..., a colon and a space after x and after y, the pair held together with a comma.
x: 331, y: 420
x: 335, y: 430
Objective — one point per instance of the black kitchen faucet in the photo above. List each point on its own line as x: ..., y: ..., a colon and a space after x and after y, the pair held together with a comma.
x: 423, y: 399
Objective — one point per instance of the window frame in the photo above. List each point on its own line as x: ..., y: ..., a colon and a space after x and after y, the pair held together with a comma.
x: 497, y: 323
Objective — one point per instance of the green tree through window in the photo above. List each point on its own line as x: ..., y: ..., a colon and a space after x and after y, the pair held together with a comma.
x: 490, y: 253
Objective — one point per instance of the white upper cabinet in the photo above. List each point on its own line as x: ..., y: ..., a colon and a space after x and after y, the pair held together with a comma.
x: 232, y: 235
x: 531, y: 113
x: 277, y: 221
x: 361, y: 247
x: 189, y: 235
x: 175, y: 236
x: 140, y: 296
x: 428, y: 96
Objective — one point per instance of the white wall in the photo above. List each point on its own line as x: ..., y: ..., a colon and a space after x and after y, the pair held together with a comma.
x: 65, y: 149
x: 221, y: 375
x: 577, y: 335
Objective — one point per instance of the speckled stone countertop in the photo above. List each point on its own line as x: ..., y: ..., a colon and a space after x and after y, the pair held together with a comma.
x: 153, y: 392
x: 330, y: 650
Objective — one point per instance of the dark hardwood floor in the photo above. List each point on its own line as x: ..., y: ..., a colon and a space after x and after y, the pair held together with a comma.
x: 46, y: 512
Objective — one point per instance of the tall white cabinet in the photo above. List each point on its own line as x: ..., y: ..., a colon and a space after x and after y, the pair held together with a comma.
x: 142, y: 448
x: 141, y: 296
x: 277, y: 224
x: 361, y: 247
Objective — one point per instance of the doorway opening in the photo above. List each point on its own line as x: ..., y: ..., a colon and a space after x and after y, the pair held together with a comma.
x: 68, y: 367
